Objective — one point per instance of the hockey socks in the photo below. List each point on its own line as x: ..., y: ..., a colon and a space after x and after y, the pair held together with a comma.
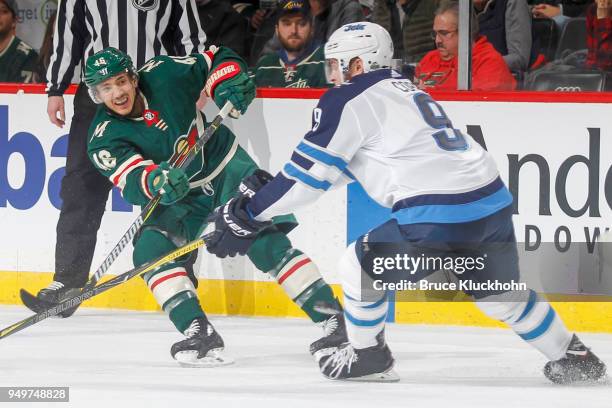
x: 532, y: 318
x: 175, y: 293
x: 364, y: 320
x: 185, y: 313
x: 295, y: 272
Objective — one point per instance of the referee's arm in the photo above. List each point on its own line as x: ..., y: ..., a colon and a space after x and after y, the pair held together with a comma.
x: 68, y: 37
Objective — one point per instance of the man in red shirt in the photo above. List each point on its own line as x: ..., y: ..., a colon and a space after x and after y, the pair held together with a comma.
x: 438, y: 68
x: 599, y: 35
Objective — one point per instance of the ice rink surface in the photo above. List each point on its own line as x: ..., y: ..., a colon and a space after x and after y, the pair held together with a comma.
x: 116, y: 359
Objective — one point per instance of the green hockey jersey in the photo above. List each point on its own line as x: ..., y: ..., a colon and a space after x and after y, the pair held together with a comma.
x: 18, y: 62
x: 125, y: 149
x: 273, y: 70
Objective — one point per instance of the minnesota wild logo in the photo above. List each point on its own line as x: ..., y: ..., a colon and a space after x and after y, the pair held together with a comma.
x: 145, y: 5
x: 185, y: 141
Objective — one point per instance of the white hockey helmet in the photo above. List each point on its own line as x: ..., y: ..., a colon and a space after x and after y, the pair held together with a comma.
x: 365, y: 40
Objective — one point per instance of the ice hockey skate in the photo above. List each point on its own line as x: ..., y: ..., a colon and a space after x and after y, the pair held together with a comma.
x: 578, y: 365
x: 49, y: 297
x: 372, y: 364
x: 203, y: 346
x: 335, y: 335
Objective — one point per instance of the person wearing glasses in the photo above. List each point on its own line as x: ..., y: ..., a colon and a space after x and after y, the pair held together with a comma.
x: 438, y: 69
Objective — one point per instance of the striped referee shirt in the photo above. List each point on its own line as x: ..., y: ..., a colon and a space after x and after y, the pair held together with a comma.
x: 141, y: 28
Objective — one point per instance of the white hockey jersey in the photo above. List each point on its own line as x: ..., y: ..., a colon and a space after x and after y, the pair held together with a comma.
x: 395, y: 140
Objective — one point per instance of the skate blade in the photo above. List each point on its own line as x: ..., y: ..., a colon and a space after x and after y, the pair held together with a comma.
x: 388, y: 376
x: 214, y: 358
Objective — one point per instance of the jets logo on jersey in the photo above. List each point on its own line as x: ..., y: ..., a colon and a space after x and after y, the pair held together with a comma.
x: 145, y: 5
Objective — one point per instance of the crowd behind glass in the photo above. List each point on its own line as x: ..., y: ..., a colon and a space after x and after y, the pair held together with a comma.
x: 537, y: 45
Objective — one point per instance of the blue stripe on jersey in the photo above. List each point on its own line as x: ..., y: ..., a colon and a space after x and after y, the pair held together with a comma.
x: 530, y: 303
x: 306, y: 178
x: 445, y: 199
x: 333, y: 101
x: 455, y: 213
x: 364, y: 323
x: 541, y: 328
x: 270, y: 193
x: 322, y: 156
x: 301, y: 161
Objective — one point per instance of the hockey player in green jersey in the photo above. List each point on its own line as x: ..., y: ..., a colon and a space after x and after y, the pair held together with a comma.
x: 300, y: 62
x: 142, y: 122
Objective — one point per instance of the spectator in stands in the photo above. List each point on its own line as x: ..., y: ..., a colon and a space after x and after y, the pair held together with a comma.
x: 329, y: 15
x: 367, y: 6
x: 17, y: 59
x: 599, y: 35
x: 224, y: 26
x: 507, y: 25
x: 409, y: 23
x: 560, y: 10
x: 262, y: 26
x: 300, y: 63
x: 438, y: 69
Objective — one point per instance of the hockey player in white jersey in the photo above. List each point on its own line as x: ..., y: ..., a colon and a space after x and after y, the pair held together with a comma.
x: 444, y: 190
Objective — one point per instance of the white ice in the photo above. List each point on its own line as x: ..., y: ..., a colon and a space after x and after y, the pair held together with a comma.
x: 119, y: 359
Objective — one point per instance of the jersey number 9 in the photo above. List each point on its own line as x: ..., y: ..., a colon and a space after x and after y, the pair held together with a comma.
x: 448, y: 138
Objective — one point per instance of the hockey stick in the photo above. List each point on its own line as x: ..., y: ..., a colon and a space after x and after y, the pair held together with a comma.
x: 103, y: 287
x: 182, y: 160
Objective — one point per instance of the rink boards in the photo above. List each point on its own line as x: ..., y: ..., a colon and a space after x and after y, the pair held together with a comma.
x: 555, y: 152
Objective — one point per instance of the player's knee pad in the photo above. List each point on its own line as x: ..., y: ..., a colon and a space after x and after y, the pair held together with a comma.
x: 171, y: 286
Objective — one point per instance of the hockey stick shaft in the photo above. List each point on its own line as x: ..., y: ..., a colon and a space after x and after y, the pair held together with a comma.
x: 103, y: 287
x: 181, y: 161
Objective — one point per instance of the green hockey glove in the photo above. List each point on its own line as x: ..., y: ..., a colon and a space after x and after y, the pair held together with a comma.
x: 228, y: 83
x: 172, y: 183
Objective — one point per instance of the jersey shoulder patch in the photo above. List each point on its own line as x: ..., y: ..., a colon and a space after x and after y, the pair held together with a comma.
x: 24, y: 48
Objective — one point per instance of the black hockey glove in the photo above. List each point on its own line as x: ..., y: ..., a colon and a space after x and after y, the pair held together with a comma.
x: 234, y: 231
x: 253, y: 183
